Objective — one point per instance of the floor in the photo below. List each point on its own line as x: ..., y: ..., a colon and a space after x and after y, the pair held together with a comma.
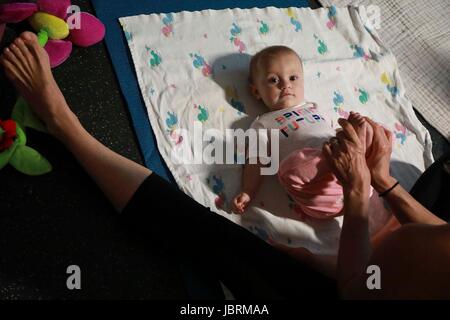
x: 50, y: 222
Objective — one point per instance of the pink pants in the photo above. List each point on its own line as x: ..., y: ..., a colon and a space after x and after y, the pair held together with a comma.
x: 307, y: 178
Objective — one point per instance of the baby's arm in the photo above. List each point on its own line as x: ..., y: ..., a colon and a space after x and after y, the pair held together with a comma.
x: 251, y: 180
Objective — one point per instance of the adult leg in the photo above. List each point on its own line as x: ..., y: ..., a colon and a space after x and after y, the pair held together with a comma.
x: 248, y: 266
x: 432, y: 189
x: 167, y: 215
x: 27, y: 65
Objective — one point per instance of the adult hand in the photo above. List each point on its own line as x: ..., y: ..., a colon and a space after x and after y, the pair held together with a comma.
x: 346, y: 156
x: 379, y: 157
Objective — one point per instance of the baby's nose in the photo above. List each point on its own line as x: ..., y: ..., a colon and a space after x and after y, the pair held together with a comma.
x: 285, y: 84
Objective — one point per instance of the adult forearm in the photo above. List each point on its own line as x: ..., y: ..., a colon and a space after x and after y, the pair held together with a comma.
x: 117, y: 176
x: 354, y: 248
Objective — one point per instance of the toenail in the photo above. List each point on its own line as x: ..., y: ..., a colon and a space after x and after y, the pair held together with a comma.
x: 27, y: 35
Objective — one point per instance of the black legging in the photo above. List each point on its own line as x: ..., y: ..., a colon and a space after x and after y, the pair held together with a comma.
x: 432, y: 189
x: 162, y: 214
x: 247, y: 265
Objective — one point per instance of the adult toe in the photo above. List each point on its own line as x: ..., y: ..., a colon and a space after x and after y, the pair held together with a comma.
x: 9, y: 55
x: 28, y: 36
x: 11, y: 70
x: 31, y: 41
x: 33, y: 45
x: 20, y: 50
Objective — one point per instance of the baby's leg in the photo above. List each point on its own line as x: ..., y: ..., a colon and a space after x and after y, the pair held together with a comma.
x: 363, y: 129
x: 307, y: 178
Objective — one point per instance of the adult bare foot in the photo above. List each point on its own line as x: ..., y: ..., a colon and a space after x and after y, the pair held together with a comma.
x: 363, y: 129
x: 27, y: 65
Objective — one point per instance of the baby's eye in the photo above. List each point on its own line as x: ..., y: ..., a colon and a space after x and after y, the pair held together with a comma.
x: 293, y: 78
x: 273, y: 80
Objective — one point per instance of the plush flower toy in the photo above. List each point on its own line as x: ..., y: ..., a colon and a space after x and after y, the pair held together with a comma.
x: 63, y: 25
x: 13, y: 150
x: 58, y: 26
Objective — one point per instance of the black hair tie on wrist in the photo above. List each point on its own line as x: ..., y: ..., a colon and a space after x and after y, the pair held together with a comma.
x: 388, y: 190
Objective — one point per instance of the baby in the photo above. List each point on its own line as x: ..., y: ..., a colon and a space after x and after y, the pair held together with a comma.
x: 276, y: 78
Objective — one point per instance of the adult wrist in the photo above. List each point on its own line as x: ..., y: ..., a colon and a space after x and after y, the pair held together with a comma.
x: 358, y: 187
x: 383, y: 184
x: 384, y: 193
x: 356, y: 203
x: 357, y: 193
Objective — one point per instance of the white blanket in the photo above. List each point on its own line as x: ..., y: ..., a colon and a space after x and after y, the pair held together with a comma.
x: 418, y: 34
x: 193, y: 66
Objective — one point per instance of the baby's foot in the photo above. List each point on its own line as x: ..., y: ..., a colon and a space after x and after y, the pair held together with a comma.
x: 363, y: 129
x: 27, y: 65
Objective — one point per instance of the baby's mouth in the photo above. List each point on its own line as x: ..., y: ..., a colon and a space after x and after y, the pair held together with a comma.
x: 287, y: 94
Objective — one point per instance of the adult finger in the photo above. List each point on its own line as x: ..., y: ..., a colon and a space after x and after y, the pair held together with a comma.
x: 349, y: 131
x: 379, y: 133
x: 334, y: 146
x: 371, y: 122
x: 388, y: 134
x: 376, y: 127
x: 329, y: 154
x: 326, y: 149
x: 342, y: 138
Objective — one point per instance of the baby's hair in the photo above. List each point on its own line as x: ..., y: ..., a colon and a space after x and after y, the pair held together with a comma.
x: 271, y: 52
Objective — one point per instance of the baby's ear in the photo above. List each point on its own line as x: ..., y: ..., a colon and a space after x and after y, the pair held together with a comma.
x: 254, y: 91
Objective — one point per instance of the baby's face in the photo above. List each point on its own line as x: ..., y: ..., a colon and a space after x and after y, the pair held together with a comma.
x: 279, y: 82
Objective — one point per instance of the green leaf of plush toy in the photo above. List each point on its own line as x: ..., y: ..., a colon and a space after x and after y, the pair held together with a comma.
x: 21, y: 139
x: 18, y: 112
x: 23, y: 115
x: 29, y: 161
x: 6, y: 155
x: 42, y: 38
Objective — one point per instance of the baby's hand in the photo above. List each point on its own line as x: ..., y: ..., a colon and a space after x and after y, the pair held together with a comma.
x: 240, y: 202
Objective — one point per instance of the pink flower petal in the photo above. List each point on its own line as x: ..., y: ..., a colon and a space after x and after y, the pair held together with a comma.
x: 55, y: 7
x: 16, y: 12
x: 58, y: 51
x: 91, y: 30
